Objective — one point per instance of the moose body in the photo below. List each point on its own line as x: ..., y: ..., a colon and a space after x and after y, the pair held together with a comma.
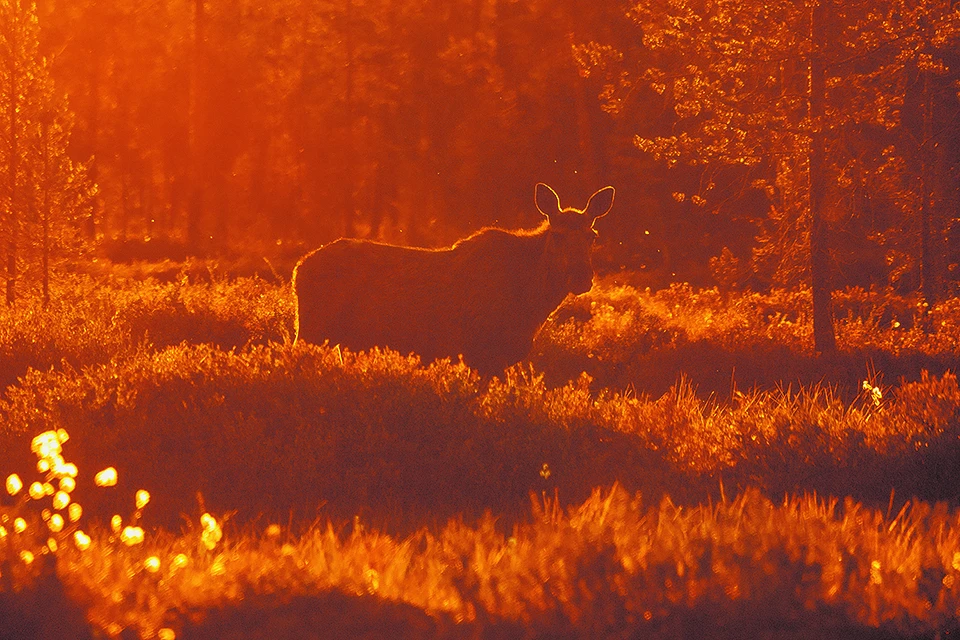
x: 483, y: 298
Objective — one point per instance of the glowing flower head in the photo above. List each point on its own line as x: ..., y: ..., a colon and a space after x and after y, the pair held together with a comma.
x: 81, y: 539
x: 46, y: 445
x: 115, y: 523
x: 14, y: 484
x: 61, y: 499
x: 56, y: 523
x: 143, y: 497
x: 152, y: 564
x: 212, y: 533
x: 74, y: 511
x: 131, y: 536
x: 36, y: 490
x: 106, y: 478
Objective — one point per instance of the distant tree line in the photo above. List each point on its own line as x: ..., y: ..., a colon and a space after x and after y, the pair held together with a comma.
x: 751, y: 143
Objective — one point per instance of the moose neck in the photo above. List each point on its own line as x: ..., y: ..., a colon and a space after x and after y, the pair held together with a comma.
x: 548, y: 282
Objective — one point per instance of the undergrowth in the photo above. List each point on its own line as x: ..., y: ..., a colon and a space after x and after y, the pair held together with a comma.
x: 274, y: 428
x: 417, y: 475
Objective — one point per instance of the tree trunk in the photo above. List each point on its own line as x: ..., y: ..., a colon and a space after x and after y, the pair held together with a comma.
x: 823, y: 334
x: 195, y: 186
x: 45, y: 215
x: 929, y: 231
x: 12, y: 168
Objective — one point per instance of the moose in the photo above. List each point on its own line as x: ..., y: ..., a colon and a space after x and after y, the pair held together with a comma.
x: 483, y: 299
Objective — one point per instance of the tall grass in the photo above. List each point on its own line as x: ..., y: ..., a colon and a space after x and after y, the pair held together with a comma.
x: 281, y: 427
x: 624, y: 337
x: 610, y: 567
x: 193, y: 391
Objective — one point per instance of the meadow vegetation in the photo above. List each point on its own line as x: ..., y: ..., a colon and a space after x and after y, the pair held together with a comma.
x: 679, y: 449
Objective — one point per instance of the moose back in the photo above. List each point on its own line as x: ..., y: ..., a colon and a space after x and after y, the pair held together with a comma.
x: 484, y: 298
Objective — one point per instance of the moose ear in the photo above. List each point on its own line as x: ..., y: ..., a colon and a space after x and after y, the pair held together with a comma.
x: 548, y: 202
x: 600, y: 203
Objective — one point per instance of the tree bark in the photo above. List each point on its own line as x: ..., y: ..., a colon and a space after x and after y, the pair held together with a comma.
x: 929, y: 232
x: 824, y: 338
x: 12, y: 168
x: 195, y: 181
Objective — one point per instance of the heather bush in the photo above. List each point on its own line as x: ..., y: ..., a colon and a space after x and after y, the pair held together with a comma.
x: 273, y: 428
x: 624, y: 337
x: 90, y: 320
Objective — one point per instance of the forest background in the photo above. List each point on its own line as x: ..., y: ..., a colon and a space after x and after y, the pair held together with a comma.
x: 243, y: 127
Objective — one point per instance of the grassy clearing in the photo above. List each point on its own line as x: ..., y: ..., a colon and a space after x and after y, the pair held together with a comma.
x: 191, y: 390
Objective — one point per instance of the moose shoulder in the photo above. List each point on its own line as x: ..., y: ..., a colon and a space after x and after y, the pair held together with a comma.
x: 483, y: 298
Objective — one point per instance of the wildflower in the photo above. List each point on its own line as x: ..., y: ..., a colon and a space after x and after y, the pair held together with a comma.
x: 875, y: 577
x: 26, y: 556
x: 56, y: 523
x: 545, y: 471
x: 74, y: 511
x: 3, y: 532
x: 48, y: 489
x: 143, y: 497
x: 46, y: 445
x: 875, y: 393
x: 61, y: 499
x: 52, y: 545
x: 152, y: 564
x: 179, y: 561
x: 68, y: 484
x: 43, y: 465
x: 19, y: 525
x: 131, y: 536
x: 36, y: 490
x: 273, y: 531
x: 81, y: 539
x: 212, y: 533
x: 166, y: 634
x: 106, y: 478
x: 14, y: 484
x: 62, y: 469
x: 115, y: 523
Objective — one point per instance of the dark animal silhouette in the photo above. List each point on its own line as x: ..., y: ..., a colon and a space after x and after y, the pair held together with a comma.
x: 483, y: 298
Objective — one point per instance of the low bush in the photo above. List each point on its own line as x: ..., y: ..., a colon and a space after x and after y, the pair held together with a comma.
x: 273, y: 428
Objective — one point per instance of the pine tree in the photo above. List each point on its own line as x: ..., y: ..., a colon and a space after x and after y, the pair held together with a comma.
x: 790, y: 96
x: 43, y: 193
